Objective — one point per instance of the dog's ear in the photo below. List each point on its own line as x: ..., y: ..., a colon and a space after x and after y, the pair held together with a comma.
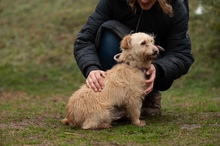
x: 125, y: 43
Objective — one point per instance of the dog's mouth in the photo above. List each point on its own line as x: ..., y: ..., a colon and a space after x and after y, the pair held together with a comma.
x: 155, y: 52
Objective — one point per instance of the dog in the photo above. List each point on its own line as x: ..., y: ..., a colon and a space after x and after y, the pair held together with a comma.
x: 124, y: 87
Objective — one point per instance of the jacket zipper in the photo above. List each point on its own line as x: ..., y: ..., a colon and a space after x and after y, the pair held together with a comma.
x: 139, y: 20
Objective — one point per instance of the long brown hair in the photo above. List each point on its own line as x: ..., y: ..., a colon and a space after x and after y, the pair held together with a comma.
x: 164, y: 5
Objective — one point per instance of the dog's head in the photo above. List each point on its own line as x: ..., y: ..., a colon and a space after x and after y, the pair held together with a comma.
x: 139, y: 49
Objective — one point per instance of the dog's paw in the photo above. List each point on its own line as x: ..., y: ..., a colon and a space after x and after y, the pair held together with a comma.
x: 104, y: 126
x: 140, y: 123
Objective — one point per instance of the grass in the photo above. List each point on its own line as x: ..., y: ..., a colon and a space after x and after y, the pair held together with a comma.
x: 38, y: 74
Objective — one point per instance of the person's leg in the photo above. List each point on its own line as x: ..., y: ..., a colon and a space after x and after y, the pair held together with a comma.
x: 109, y: 46
x: 151, y: 104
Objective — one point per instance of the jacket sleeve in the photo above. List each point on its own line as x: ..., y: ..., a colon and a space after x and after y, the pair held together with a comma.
x: 177, y: 58
x: 84, y: 45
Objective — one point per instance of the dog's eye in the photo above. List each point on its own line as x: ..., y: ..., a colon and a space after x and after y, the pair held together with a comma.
x: 143, y: 43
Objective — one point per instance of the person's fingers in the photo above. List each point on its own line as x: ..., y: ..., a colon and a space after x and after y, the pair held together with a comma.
x: 151, y: 79
x: 151, y: 74
x: 88, y: 83
x: 100, y: 78
x: 150, y: 70
x: 99, y: 82
x: 103, y: 74
x: 146, y: 92
x: 149, y: 88
x: 95, y: 80
x: 91, y: 83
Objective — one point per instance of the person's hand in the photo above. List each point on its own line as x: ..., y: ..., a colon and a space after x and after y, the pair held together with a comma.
x: 151, y: 75
x: 95, y: 80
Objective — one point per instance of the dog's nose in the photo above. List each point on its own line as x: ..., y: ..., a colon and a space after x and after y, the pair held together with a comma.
x: 155, y: 52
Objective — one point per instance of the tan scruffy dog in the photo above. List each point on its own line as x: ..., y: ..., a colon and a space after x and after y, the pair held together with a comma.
x: 124, y: 87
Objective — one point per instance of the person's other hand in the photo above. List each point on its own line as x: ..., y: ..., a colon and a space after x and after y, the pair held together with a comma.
x: 95, y: 80
x: 151, y: 75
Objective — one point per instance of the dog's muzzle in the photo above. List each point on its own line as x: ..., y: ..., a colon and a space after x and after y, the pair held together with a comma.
x: 155, y: 52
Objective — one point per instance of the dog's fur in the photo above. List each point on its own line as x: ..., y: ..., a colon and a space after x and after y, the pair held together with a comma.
x: 124, y: 87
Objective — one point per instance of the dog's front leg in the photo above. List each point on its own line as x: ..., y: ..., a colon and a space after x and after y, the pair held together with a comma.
x: 134, y: 111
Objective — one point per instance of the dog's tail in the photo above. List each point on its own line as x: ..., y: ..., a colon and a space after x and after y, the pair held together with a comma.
x: 65, y: 121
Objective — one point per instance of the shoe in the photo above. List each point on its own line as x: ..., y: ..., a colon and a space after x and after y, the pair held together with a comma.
x: 151, y: 105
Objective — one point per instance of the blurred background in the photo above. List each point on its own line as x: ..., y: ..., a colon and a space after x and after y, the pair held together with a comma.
x: 36, y: 46
x: 38, y: 73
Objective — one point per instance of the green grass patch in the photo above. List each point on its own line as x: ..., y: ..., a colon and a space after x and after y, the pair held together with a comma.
x: 38, y: 74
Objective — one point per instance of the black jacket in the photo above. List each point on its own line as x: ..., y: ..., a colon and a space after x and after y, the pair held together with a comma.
x: 170, y: 33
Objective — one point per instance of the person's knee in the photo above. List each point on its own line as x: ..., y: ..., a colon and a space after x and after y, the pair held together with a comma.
x: 108, y: 47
